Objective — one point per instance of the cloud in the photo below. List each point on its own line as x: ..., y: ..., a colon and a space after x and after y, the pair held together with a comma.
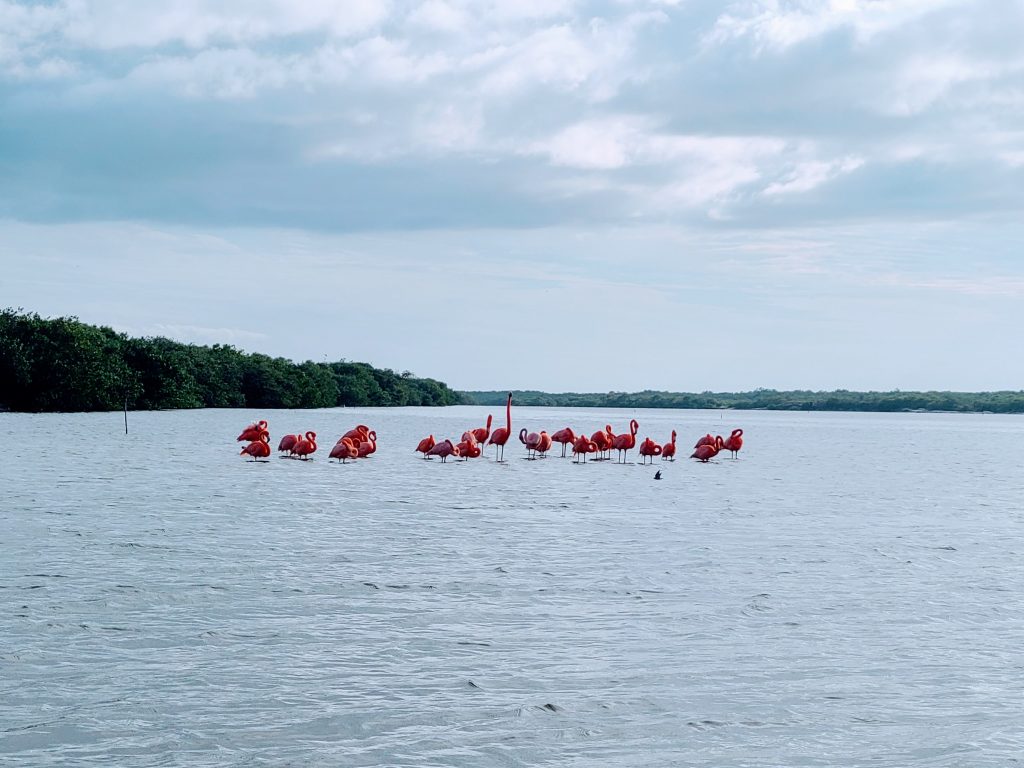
x: 110, y: 24
x: 775, y: 25
x: 538, y: 112
x: 810, y: 175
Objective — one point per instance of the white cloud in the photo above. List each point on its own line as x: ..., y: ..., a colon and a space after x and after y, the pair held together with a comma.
x: 812, y: 174
x: 780, y: 24
x: 198, y: 23
x: 439, y: 15
x: 924, y: 79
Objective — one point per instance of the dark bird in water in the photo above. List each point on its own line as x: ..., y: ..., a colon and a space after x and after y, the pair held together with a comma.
x: 657, y: 475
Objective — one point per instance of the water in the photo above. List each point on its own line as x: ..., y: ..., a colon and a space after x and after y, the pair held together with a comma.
x: 847, y: 593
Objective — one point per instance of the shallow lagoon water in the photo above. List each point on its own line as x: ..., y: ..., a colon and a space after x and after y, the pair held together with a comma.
x: 847, y: 593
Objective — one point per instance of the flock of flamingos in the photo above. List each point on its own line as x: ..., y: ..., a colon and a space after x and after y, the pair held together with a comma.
x: 361, y: 442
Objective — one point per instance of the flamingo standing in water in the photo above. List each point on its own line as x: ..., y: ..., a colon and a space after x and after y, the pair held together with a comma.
x: 368, y: 446
x: 582, y: 446
x: 706, y: 452
x: 469, y: 448
x: 566, y: 437
x: 531, y: 441
x: 305, y: 447
x: 544, y: 445
x: 288, y: 443
x: 500, y: 436
x: 668, y: 450
x: 734, y: 442
x: 444, y: 449
x: 425, y: 445
x: 625, y: 443
x: 603, y: 440
x: 649, y: 448
x: 480, y: 434
x: 253, y: 431
x: 258, y: 449
x: 344, y: 450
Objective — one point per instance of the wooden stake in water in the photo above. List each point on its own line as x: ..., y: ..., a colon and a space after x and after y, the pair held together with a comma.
x: 126, y: 415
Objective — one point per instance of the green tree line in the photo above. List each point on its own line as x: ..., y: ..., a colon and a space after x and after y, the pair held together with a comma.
x: 771, y: 400
x: 61, y: 364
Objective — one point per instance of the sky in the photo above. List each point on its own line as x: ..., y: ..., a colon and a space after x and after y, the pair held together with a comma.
x: 565, y: 195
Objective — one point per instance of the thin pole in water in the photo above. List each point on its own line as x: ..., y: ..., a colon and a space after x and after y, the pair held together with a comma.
x: 126, y: 415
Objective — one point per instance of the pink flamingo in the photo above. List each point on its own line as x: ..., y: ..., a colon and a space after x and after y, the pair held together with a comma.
x: 344, y: 450
x: 288, y: 443
x: 531, y: 441
x: 706, y: 452
x: 480, y: 434
x: 469, y: 448
x: 706, y: 440
x: 444, y: 450
x: 624, y: 443
x: 582, y: 446
x: 544, y: 444
x: 253, y: 431
x: 603, y: 439
x: 734, y: 442
x: 305, y: 447
x: 649, y: 449
x: 668, y: 450
x: 369, y: 446
x: 357, y: 434
x: 258, y: 449
x: 566, y: 437
x: 425, y: 445
x: 500, y: 436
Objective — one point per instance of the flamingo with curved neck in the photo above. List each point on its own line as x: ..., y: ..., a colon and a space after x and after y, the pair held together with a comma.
x: 706, y: 452
x: 649, y: 449
x: 253, y: 431
x: 531, y: 441
x: 357, y: 434
x: 469, y: 448
x: 259, y: 448
x: 305, y: 447
x: 582, y: 446
x: 368, y: 446
x: 734, y: 442
x: 344, y: 450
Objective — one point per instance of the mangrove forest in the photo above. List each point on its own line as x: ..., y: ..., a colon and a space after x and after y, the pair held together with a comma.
x: 62, y: 364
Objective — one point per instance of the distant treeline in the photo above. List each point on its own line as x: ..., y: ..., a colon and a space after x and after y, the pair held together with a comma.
x: 65, y: 365
x: 771, y: 400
